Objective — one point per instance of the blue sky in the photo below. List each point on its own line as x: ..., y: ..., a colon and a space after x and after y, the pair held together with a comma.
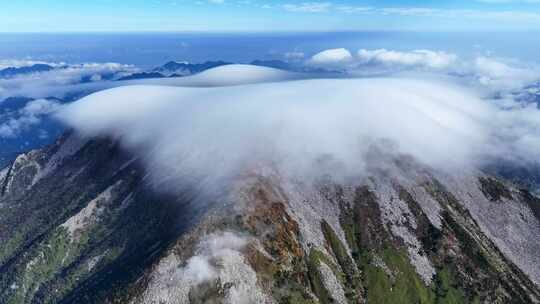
x: 267, y: 15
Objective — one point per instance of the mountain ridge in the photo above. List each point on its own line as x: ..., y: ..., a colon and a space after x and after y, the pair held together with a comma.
x: 407, y: 233
x: 15, y: 71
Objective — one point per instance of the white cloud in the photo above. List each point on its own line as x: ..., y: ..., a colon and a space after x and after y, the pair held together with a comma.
x: 308, y: 7
x: 495, y: 73
x: 509, y: 1
x: 382, y: 60
x: 39, y: 107
x: 414, y: 11
x: 333, y: 58
x: 46, y: 85
x: 203, y: 137
x: 59, y: 80
x: 219, y: 260
x: 419, y: 58
x: 17, y: 63
x: 294, y: 55
x: 227, y: 75
x: 354, y: 9
x: 473, y: 14
x: 200, y: 268
x: 27, y: 117
x: 95, y: 77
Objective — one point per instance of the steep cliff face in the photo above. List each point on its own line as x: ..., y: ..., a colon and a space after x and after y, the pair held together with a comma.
x: 80, y: 224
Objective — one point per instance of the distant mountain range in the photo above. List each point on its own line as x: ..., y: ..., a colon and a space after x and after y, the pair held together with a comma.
x: 173, y: 68
x: 15, y: 71
x: 45, y: 131
x: 169, y: 69
x: 142, y: 75
x: 181, y: 69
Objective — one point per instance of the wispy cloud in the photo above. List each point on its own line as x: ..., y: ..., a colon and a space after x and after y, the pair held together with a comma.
x: 461, y: 13
x: 421, y: 58
x: 508, y: 1
x: 480, y: 14
x: 15, y: 123
x: 494, y: 74
x: 309, y: 7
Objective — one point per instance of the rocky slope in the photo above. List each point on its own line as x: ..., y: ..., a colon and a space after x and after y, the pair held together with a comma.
x: 80, y: 223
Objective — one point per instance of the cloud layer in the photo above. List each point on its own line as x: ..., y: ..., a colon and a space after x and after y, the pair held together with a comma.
x: 208, y: 135
x: 332, y: 58
x: 419, y: 58
x: 13, y: 124
x: 63, y: 78
x: 498, y: 75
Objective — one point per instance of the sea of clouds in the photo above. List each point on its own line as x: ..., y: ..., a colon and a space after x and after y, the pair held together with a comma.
x: 48, y: 88
x: 493, y: 73
x: 444, y: 110
x: 61, y: 80
x: 305, y: 127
